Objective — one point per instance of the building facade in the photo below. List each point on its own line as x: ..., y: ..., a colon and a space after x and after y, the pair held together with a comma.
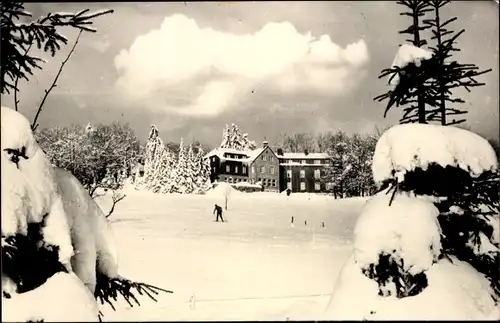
x: 273, y: 171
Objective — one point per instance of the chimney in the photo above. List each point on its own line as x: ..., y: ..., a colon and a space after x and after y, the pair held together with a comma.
x: 306, y: 152
x: 265, y: 144
x: 279, y: 152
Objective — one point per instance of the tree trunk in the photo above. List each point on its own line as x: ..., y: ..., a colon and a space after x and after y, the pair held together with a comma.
x: 420, y: 98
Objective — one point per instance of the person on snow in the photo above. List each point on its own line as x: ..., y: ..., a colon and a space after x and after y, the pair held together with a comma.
x: 218, y: 209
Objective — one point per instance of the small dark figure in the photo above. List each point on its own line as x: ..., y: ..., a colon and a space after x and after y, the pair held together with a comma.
x: 305, y: 222
x: 292, y: 219
x: 288, y: 191
x: 218, y: 209
x: 323, y: 224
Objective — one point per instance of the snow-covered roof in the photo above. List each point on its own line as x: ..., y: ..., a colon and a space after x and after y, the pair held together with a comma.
x: 304, y: 156
x: 405, y: 147
x: 219, y: 152
x: 251, y: 155
x: 254, y: 154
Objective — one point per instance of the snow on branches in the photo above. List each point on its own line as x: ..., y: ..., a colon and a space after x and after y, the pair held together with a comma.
x: 235, y: 139
x: 164, y: 172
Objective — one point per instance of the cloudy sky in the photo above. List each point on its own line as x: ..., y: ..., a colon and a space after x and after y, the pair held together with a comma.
x: 270, y: 67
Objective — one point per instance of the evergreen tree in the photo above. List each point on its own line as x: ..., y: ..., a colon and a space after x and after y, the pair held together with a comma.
x: 182, y: 175
x: 411, y: 88
x: 337, y: 172
x: 430, y: 83
x: 226, y: 138
x: 448, y: 75
x: 154, y: 159
x: 235, y: 139
x: 19, y: 37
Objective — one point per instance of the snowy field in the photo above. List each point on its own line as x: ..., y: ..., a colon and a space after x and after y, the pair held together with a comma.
x: 257, y: 266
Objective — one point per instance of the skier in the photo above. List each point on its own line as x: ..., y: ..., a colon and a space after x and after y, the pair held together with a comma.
x: 218, y: 209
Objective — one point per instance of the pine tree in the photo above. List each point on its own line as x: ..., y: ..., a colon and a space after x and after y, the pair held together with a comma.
x: 226, y: 138
x: 233, y: 138
x: 448, y: 75
x: 411, y: 88
x: 182, y: 177
x: 19, y: 37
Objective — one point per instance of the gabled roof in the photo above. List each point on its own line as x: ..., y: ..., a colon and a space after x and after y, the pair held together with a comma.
x: 219, y: 152
x: 250, y: 155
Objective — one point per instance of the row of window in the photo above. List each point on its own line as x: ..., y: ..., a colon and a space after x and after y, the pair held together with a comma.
x: 236, y: 169
x: 267, y: 181
x: 302, y: 161
x: 269, y: 158
x: 233, y: 156
x: 262, y: 170
x: 317, y: 173
x: 234, y: 180
x: 317, y: 186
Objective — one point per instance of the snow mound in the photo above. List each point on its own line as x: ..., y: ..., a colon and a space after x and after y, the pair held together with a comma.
x: 222, y: 189
x: 456, y: 291
x: 62, y: 298
x: 405, y: 55
x: 405, y: 147
x: 28, y: 189
x: 408, y: 229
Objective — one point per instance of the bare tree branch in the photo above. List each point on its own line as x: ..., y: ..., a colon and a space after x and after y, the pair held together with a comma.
x: 117, y: 197
x: 34, y: 125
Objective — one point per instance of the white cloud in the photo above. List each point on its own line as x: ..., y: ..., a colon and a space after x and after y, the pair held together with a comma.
x: 277, y: 58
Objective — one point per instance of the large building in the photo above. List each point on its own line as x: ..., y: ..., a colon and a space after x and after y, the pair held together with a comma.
x: 274, y: 171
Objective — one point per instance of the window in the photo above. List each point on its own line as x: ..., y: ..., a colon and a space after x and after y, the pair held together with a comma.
x: 264, y: 158
x: 253, y: 169
x: 317, y: 186
x: 264, y: 182
x: 225, y: 179
x: 262, y: 169
x: 259, y: 179
x: 289, y: 185
x: 289, y: 173
x: 272, y: 170
x: 244, y: 169
x: 317, y: 174
x: 236, y: 169
x: 270, y: 158
x: 317, y: 162
x: 302, y: 186
x: 302, y: 173
x: 303, y: 161
x: 213, y: 159
x: 274, y: 182
x: 228, y: 169
x: 213, y: 169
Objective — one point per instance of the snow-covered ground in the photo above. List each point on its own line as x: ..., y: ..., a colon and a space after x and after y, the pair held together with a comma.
x: 257, y: 266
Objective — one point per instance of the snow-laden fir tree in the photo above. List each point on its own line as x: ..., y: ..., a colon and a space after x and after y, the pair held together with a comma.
x: 235, y: 139
x: 202, y: 167
x: 181, y: 176
x: 162, y: 179
x: 153, y: 157
x: 430, y: 236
